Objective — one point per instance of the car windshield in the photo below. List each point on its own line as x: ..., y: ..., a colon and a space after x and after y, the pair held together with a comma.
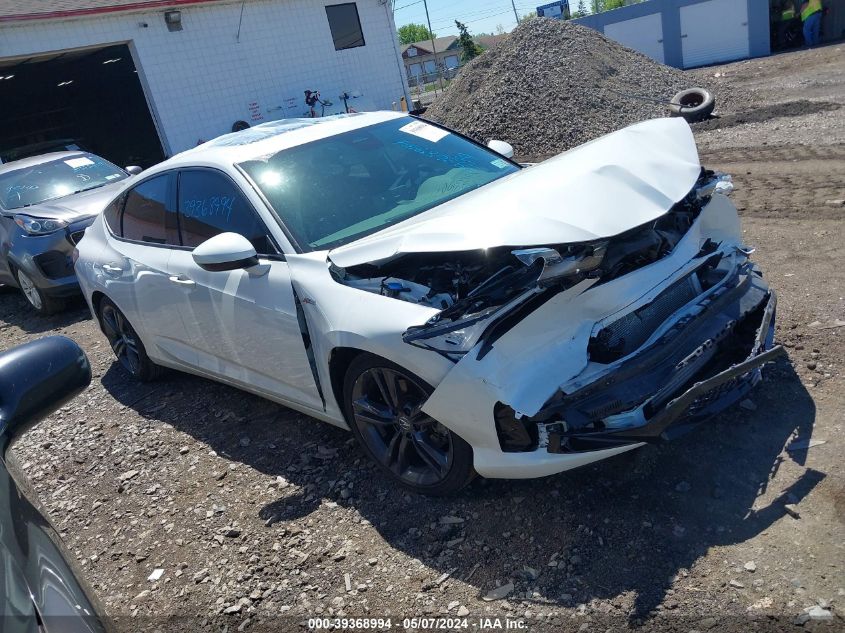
x: 55, y: 179
x: 344, y: 187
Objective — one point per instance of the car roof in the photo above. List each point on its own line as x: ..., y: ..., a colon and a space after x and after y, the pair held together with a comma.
x: 38, y: 160
x: 272, y: 137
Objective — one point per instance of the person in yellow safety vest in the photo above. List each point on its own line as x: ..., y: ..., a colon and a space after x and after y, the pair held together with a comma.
x: 811, y: 16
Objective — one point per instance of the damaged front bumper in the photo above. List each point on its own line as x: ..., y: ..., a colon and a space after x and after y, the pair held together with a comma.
x: 713, y: 376
x: 671, y: 360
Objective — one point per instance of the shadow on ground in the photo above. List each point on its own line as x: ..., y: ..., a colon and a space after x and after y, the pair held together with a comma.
x: 620, y: 529
x: 16, y: 312
x: 762, y: 114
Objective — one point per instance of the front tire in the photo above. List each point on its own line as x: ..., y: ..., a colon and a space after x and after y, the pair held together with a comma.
x: 36, y: 297
x: 126, y: 344
x: 383, y: 402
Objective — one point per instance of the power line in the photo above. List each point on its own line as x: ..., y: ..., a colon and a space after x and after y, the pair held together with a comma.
x: 410, y: 4
x: 470, y: 15
x: 486, y: 17
x: 466, y: 16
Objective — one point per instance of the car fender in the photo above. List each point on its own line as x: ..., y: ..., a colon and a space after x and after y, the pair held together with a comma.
x: 341, y: 316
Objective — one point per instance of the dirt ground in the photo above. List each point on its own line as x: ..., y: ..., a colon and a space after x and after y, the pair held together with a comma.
x: 261, y: 517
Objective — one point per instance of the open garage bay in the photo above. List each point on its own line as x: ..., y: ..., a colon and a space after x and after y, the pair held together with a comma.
x: 90, y: 98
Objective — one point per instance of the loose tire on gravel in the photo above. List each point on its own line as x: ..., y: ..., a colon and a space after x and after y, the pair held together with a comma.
x: 382, y: 403
x: 695, y: 104
x: 126, y: 344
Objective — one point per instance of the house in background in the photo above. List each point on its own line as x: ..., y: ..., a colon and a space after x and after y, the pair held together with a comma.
x: 139, y: 80
x: 423, y: 61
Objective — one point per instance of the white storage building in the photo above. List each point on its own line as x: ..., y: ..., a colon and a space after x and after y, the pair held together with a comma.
x: 138, y: 80
x: 692, y: 33
x: 689, y: 33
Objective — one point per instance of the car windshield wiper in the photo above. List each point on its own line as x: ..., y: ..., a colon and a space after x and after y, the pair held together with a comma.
x: 102, y: 184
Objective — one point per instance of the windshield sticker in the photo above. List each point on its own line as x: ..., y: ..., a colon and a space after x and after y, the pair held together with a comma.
x: 424, y: 130
x: 76, y: 163
x: 112, y: 176
x: 501, y: 163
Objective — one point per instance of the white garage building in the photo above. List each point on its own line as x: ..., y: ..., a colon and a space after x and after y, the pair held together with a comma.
x: 137, y: 80
x: 689, y: 33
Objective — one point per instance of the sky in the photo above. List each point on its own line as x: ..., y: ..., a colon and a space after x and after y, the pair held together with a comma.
x: 480, y: 16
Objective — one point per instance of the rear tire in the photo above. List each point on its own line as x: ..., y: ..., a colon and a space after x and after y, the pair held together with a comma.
x: 36, y: 297
x: 695, y: 104
x: 126, y: 344
x: 382, y: 404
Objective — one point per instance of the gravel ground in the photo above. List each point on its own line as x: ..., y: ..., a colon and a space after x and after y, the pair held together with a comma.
x: 260, y: 517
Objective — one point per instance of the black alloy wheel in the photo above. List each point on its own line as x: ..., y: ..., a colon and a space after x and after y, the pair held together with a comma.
x: 384, y: 407
x: 125, y: 343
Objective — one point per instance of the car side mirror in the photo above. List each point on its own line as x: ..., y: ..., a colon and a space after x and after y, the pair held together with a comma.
x: 36, y: 379
x: 134, y: 170
x: 226, y: 251
x: 500, y: 147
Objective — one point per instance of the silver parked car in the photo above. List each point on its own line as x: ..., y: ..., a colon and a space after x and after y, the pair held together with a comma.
x: 46, y: 203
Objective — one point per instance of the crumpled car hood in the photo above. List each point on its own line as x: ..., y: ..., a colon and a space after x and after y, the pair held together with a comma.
x: 597, y: 190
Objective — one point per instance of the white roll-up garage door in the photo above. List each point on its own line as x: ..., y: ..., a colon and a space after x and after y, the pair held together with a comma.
x: 643, y: 34
x: 714, y: 31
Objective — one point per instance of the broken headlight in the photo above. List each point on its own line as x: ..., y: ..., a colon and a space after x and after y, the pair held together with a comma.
x: 455, y: 330
x: 451, y: 338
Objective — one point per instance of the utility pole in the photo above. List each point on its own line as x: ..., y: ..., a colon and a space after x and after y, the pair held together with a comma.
x: 433, y: 49
x: 515, y: 14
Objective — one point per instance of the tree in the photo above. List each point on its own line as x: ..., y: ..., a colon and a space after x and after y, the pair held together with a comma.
x: 500, y: 30
x: 411, y: 33
x: 581, y: 11
x: 528, y: 16
x: 470, y: 48
x: 597, y: 6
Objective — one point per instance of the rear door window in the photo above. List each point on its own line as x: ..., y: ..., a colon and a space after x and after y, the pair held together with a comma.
x: 210, y: 204
x: 149, y: 214
x: 111, y: 214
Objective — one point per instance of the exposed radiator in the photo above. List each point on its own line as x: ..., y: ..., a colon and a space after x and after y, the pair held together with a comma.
x: 623, y: 336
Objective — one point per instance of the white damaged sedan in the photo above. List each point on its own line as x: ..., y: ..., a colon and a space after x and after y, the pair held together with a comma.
x: 459, y: 313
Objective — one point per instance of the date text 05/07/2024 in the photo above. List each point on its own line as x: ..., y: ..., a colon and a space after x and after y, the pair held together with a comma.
x: 418, y: 624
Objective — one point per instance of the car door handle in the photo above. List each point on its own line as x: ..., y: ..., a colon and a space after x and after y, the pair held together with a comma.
x: 112, y: 270
x: 183, y: 281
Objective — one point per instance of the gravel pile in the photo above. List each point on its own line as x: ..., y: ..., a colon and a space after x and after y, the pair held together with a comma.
x: 550, y: 86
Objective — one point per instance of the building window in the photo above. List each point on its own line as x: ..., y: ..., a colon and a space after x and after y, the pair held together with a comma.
x: 345, y: 25
x: 412, y: 52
